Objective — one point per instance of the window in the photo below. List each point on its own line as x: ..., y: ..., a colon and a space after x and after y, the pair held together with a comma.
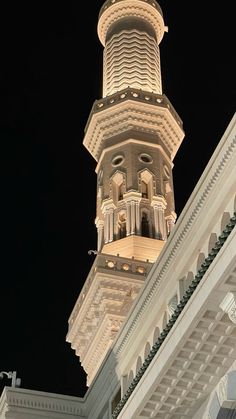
x: 145, y: 158
x: 117, y: 161
x: 145, y: 225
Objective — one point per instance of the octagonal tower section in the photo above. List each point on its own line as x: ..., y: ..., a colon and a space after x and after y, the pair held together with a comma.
x: 133, y: 133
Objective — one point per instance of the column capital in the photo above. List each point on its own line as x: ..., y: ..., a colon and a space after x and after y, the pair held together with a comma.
x: 159, y: 201
x: 99, y: 223
x: 228, y: 305
x: 171, y: 217
x: 107, y: 204
x: 132, y: 196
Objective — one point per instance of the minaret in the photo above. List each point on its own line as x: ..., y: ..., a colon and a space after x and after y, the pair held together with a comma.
x: 133, y: 133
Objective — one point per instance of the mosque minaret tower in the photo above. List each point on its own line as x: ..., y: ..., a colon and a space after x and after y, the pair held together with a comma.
x: 133, y: 133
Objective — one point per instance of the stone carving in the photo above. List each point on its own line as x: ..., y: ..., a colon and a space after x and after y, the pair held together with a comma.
x: 228, y: 305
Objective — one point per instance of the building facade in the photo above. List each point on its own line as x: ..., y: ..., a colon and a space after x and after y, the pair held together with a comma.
x: 154, y: 325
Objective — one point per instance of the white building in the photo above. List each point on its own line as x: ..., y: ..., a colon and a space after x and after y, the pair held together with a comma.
x: 155, y: 323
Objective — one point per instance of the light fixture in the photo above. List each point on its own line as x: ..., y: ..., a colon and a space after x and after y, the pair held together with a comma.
x: 15, y: 382
x: 125, y: 266
x: 110, y: 263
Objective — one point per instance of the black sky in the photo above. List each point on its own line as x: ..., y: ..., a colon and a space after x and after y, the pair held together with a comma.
x: 50, y: 75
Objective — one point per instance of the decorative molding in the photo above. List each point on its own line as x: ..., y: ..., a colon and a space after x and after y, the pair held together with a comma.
x: 35, y: 400
x: 222, y: 389
x: 139, y: 116
x: 228, y: 150
x: 203, y: 360
x: 131, y: 58
x: 228, y: 305
x: 109, y: 3
x: 102, y: 307
x: 115, y: 10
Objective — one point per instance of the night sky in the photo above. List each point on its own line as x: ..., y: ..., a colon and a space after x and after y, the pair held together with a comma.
x: 50, y: 75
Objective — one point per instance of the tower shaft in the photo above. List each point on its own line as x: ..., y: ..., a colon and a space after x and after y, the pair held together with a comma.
x: 133, y: 132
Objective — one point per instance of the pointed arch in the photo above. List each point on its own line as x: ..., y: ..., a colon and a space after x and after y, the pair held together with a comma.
x: 212, y: 241
x: 225, y: 220
x: 200, y: 260
x: 189, y: 280
x: 118, y: 181
x: 147, y: 350
x: 145, y: 223
x: 146, y: 184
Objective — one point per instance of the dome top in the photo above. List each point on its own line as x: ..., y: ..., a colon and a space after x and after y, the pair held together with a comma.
x: 114, y: 10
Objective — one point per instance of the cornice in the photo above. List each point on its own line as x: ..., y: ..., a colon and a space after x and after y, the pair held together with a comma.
x: 137, y: 95
x: 144, y: 117
x: 109, y: 3
x: 177, y: 311
x: 33, y: 400
x: 114, y: 10
x: 226, y: 152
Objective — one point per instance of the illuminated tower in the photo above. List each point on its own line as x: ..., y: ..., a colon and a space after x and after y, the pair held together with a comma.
x: 133, y: 133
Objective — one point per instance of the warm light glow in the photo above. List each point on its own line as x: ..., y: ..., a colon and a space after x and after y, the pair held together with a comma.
x: 126, y: 267
x: 110, y: 264
x: 131, y: 59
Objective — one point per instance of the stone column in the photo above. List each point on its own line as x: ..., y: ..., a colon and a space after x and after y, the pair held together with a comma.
x: 162, y: 222
x: 132, y: 201
x: 108, y: 212
x: 137, y: 218
x: 128, y: 220
x: 159, y: 206
x: 106, y: 226
x: 170, y: 221
x: 100, y: 231
x: 111, y: 224
x: 133, y: 216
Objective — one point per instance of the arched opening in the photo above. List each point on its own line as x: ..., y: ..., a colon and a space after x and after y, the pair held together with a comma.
x: 156, y: 334
x: 118, y: 186
x: 131, y: 377
x: 212, y: 241
x: 225, y: 220
x: 145, y: 225
x: 189, y: 280
x: 147, y: 350
x: 122, y: 225
x: 146, y: 184
x: 144, y: 189
x: 138, y: 364
x: 200, y: 260
x: 164, y: 321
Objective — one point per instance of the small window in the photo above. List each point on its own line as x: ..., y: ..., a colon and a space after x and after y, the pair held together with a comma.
x: 117, y: 161
x: 145, y: 158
